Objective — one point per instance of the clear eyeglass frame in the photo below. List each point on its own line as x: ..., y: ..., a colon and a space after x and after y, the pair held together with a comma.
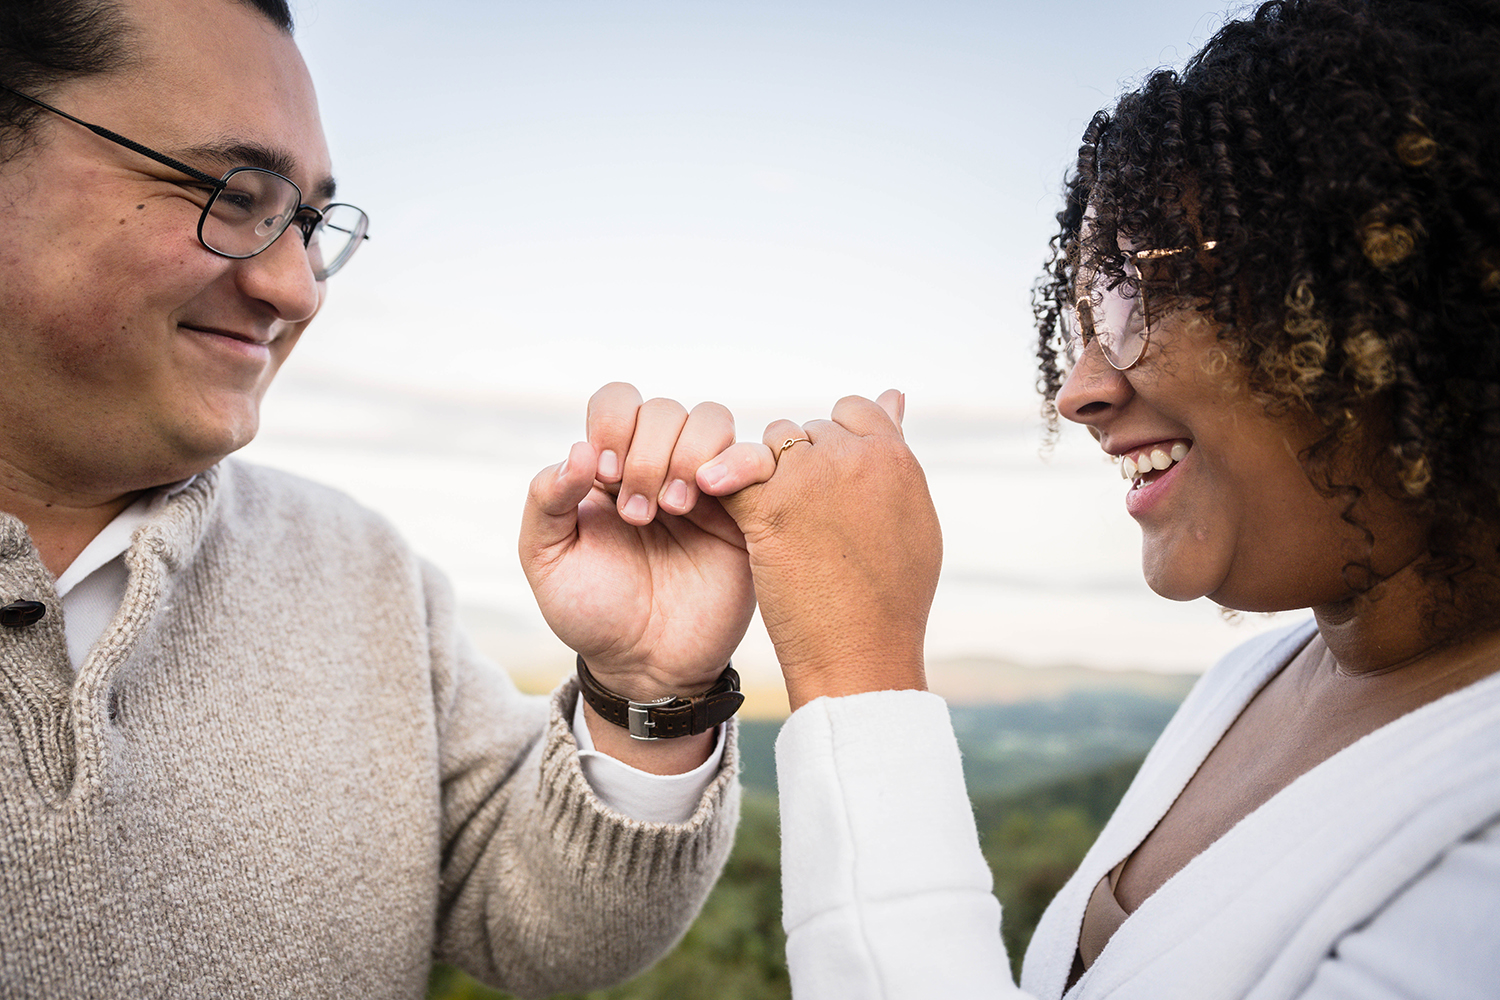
x: 1118, y: 317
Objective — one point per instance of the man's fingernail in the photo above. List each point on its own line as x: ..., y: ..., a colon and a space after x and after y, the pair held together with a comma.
x: 637, y: 508
x: 609, y: 465
x: 676, y: 496
x: 562, y: 470
x: 713, y: 475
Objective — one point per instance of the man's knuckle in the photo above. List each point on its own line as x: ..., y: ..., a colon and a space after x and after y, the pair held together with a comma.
x: 712, y: 410
x: 641, y: 466
x: 613, y: 430
x: 663, y: 406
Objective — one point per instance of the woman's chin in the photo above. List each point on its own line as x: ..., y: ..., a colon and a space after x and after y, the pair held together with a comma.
x: 1175, y: 590
x: 1176, y: 577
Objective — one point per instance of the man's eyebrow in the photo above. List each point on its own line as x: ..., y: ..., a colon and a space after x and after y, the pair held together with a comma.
x: 250, y: 154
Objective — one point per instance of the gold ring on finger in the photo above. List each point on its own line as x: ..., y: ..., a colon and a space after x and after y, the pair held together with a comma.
x: 788, y: 443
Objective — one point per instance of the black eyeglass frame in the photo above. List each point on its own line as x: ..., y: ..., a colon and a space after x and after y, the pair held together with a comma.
x: 1085, y: 327
x: 307, y: 217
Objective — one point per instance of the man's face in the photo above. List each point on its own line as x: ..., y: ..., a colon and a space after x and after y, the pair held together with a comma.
x: 132, y: 355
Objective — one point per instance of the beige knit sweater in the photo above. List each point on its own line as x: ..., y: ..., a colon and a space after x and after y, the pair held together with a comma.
x: 284, y: 772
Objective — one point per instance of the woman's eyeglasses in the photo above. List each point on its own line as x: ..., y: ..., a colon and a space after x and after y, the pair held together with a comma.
x: 1119, y: 317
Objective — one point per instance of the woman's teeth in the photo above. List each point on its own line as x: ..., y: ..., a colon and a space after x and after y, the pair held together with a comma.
x: 1156, y: 459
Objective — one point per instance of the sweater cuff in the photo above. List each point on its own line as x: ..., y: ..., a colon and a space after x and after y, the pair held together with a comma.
x: 650, y: 798
x: 605, y: 837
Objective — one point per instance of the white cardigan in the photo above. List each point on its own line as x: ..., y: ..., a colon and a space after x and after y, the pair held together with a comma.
x: 1374, y: 875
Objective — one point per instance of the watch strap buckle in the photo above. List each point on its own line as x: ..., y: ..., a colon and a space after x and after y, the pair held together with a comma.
x: 667, y: 717
x: 639, y: 718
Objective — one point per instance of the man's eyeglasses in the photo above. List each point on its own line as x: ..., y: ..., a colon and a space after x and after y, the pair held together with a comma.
x: 250, y: 208
x: 1120, y: 318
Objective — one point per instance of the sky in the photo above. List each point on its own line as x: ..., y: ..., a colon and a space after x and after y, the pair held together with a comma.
x: 770, y: 204
x: 767, y: 202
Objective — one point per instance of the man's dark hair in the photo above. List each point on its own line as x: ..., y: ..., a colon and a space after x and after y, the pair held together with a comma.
x: 45, y: 43
x: 1345, y: 155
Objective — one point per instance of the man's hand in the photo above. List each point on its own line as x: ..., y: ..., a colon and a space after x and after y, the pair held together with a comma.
x: 844, y: 546
x: 632, y: 566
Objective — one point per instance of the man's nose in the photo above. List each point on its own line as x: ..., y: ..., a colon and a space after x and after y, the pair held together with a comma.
x: 282, y: 277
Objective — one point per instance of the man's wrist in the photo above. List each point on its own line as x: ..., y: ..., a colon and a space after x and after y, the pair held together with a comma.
x: 649, y: 684
x: 667, y: 789
x: 663, y: 757
x: 665, y: 716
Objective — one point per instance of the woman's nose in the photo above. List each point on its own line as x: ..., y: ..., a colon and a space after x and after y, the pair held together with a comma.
x: 1094, y: 388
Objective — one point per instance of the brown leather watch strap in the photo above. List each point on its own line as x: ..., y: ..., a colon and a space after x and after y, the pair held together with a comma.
x: 666, y: 717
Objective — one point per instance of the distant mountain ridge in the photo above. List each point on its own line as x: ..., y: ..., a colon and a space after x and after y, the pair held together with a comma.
x: 988, y: 681
x: 1011, y: 747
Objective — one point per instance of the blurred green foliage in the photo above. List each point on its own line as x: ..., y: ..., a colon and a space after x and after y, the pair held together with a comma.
x: 735, y: 951
x: 1034, y: 840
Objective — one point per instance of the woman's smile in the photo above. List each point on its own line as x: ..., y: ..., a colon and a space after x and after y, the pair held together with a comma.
x: 1216, y: 483
x: 1142, y: 465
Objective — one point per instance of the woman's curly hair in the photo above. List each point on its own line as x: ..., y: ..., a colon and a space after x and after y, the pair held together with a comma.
x: 1345, y: 157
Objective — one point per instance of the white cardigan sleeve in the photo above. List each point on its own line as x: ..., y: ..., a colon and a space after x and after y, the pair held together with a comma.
x: 885, y: 893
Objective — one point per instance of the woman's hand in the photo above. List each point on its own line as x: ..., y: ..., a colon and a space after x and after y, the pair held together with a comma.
x: 844, y: 546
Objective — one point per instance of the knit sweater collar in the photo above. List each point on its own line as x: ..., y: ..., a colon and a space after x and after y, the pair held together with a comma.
x: 176, y: 530
x: 172, y: 534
